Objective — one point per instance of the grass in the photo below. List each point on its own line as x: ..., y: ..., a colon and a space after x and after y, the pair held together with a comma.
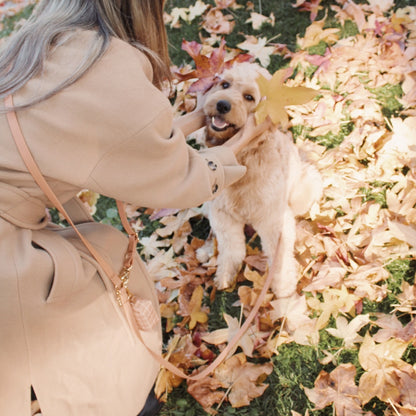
x: 10, y: 22
x: 289, y: 23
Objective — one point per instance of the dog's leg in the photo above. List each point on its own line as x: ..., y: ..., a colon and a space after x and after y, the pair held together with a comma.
x: 285, y: 279
x: 231, y: 246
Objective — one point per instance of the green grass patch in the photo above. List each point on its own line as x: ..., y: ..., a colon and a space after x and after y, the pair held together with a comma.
x: 329, y: 140
x: 387, y: 96
x: 376, y: 192
x: 400, y: 270
x: 222, y: 304
x: 289, y: 24
x: 10, y: 23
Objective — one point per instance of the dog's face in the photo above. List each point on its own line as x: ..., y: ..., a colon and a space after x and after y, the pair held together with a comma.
x: 229, y: 103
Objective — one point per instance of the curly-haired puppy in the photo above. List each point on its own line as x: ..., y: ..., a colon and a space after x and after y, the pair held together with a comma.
x: 277, y: 187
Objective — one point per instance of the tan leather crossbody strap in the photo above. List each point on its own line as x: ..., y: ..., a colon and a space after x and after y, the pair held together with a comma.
x: 40, y: 180
x: 107, y: 268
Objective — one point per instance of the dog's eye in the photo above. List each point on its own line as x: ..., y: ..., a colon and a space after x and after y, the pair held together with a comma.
x: 225, y: 85
x: 248, y: 97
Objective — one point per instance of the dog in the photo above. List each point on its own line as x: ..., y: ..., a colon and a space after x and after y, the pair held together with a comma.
x: 277, y: 187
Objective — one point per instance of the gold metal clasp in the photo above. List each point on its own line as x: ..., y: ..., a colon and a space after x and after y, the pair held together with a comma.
x: 124, y: 276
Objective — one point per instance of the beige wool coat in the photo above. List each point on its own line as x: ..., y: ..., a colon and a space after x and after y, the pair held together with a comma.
x: 110, y: 132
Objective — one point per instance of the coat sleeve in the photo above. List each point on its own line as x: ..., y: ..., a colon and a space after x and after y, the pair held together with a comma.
x: 152, y: 170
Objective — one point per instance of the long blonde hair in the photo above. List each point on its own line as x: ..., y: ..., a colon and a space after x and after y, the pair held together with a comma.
x: 139, y: 22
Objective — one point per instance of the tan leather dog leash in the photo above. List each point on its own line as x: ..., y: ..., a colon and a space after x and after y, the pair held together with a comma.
x: 124, y: 296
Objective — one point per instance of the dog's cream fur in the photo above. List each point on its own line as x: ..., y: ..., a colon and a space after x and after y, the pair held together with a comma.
x: 277, y: 187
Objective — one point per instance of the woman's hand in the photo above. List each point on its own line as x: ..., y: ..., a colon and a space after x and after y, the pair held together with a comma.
x: 193, y: 121
x: 249, y: 132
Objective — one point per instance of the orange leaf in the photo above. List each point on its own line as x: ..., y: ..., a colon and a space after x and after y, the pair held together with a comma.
x: 195, y: 307
x: 207, y: 67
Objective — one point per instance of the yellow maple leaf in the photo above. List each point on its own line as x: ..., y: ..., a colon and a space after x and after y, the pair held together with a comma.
x: 167, y: 381
x: 276, y: 96
x: 195, y: 307
x: 315, y: 33
x: 399, y: 20
x: 223, y: 335
x: 335, y: 301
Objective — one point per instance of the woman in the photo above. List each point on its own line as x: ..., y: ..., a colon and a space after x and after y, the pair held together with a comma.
x: 86, y: 77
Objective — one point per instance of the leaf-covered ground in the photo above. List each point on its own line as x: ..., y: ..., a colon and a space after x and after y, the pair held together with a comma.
x: 346, y: 345
x: 353, y: 351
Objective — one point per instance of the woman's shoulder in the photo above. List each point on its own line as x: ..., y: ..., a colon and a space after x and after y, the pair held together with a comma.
x: 119, y: 54
x: 113, y: 101
x: 121, y: 49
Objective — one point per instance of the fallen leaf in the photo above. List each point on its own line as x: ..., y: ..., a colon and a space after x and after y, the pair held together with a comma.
x: 225, y: 335
x: 226, y: 4
x: 152, y: 245
x: 312, y: 6
x: 257, y: 20
x: 206, y: 391
x: 197, y: 10
x: 315, y: 34
x: 391, y: 327
x: 278, y: 96
x: 292, y: 309
x: 195, y: 313
x: 179, y: 353
x: 348, y: 331
x: 334, y: 302
x: 243, y: 379
x: 407, y: 383
x: 338, y: 388
x: 257, y: 47
x: 216, y: 22
x: 163, y: 265
x: 380, y: 362
x: 176, y: 15
x: 207, y: 67
x: 407, y: 299
x: 89, y: 199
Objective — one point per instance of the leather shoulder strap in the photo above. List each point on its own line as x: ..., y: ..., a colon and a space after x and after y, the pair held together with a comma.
x: 40, y: 180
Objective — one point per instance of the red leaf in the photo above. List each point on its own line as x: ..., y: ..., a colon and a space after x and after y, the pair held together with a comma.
x: 207, y: 68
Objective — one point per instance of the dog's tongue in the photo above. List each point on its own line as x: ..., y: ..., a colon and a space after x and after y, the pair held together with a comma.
x: 218, y: 122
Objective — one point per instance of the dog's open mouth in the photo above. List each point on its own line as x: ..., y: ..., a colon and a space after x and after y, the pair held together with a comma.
x: 219, y: 124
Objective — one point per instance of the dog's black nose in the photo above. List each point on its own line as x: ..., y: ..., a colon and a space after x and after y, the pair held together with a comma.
x: 223, y: 106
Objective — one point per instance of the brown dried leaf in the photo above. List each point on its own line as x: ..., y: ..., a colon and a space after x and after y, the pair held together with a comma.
x: 380, y: 362
x: 391, y: 327
x: 216, y: 22
x: 337, y: 387
x: 244, y: 379
x: 206, y: 392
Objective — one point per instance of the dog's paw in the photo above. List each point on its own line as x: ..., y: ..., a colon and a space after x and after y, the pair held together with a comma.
x: 223, y: 282
x: 227, y: 272
x: 284, y: 289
